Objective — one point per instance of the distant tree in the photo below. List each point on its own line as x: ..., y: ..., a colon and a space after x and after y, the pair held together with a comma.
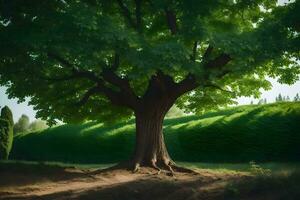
x: 22, y: 125
x: 175, y: 112
x: 6, y: 133
x: 265, y: 101
x: 251, y: 102
x: 261, y: 101
x: 38, y: 125
x: 111, y: 60
x: 279, y: 98
x: 297, y: 98
x: 287, y: 98
x: 6, y: 114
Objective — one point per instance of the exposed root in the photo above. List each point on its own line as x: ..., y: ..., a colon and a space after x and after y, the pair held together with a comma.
x: 153, y: 164
x: 167, y: 166
x: 183, y: 169
x: 121, y: 165
x: 172, y: 173
x: 136, y: 167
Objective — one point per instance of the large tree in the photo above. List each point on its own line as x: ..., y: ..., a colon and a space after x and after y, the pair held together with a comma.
x: 108, y: 60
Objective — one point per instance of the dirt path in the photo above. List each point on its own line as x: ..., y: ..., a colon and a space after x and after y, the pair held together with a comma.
x: 114, y: 184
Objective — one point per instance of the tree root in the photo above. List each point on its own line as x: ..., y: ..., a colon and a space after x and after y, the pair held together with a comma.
x: 121, y: 165
x: 136, y: 167
x: 168, y: 167
x: 183, y: 169
x: 154, y: 165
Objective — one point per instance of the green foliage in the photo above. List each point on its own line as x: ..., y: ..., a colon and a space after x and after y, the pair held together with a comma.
x: 261, y: 38
x: 7, y: 115
x: 175, y: 112
x: 6, y: 138
x: 22, y: 125
x: 258, y: 170
x: 239, y: 134
x: 37, y: 125
x: 6, y: 132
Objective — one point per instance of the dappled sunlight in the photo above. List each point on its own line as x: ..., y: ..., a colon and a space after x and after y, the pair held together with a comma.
x: 126, y: 128
x: 200, y: 122
x: 92, y: 128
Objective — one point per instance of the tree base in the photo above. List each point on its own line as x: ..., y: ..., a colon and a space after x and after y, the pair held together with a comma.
x: 169, y: 169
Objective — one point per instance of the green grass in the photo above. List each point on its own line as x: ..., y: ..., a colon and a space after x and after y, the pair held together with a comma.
x: 23, y: 165
x: 262, y: 133
x: 275, y: 168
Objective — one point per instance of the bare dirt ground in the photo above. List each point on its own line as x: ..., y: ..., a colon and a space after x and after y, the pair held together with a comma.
x: 72, y: 183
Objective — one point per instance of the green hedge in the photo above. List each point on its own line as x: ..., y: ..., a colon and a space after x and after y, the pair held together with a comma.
x: 6, y: 138
x: 240, y: 134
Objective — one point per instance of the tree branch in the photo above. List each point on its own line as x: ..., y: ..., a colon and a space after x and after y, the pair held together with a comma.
x: 61, y: 60
x: 124, y: 97
x: 223, y: 73
x: 159, y: 85
x: 171, y: 20
x: 116, y: 62
x: 194, y: 53
x: 87, y: 95
x: 207, y: 53
x: 219, y: 61
x: 186, y: 85
x: 167, y: 81
x: 126, y: 93
x: 126, y: 13
x: 75, y: 72
x: 116, y: 98
x: 138, y: 15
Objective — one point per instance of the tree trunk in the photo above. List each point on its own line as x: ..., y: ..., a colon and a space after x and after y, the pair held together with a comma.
x: 150, y: 149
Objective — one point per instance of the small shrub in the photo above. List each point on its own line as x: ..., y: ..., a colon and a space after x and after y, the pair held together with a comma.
x: 7, y: 115
x: 258, y: 170
x: 6, y: 138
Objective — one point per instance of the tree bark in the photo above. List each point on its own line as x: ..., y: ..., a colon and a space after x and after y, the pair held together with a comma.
x: 150, y: 149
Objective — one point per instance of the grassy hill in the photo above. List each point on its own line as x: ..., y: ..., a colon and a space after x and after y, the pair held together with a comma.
x: 256, y: 132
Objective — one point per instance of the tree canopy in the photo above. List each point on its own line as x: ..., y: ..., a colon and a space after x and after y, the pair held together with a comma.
x: 98, y: 59
x: 22, y: 124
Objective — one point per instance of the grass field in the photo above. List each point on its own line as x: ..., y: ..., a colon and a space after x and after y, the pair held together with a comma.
x: 261, y: 133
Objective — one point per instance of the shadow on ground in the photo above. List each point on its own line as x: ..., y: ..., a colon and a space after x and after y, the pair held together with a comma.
x: 58, y: 183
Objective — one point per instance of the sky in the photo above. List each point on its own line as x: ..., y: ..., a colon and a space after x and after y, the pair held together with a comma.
x: 286, y: 90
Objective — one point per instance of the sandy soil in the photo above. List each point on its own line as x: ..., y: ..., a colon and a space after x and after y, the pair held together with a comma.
x: 71, y: 183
